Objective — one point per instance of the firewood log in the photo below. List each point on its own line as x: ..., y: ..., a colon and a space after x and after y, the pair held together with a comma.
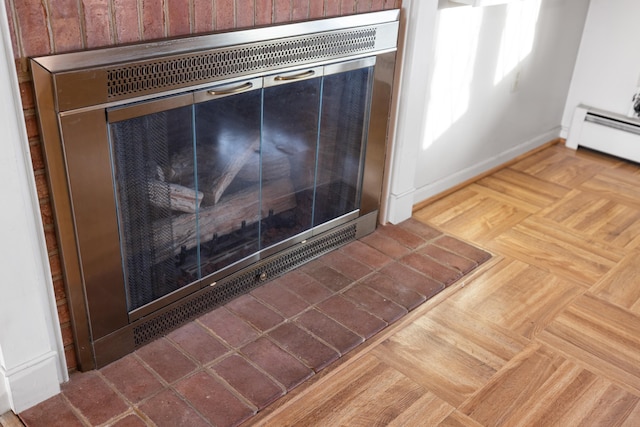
x: 174, y: 196
x: 226, y: 216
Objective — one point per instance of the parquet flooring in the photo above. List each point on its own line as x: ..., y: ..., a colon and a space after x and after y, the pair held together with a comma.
x: 545, y: 334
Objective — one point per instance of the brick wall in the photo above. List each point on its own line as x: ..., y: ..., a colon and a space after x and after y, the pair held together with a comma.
x: 41, y: 27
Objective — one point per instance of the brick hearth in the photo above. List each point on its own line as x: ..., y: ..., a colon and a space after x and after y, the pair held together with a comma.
x: 227, y: 365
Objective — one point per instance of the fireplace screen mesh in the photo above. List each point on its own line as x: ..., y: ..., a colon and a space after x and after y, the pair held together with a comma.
x: 142, y: 148
x: 203, y: 186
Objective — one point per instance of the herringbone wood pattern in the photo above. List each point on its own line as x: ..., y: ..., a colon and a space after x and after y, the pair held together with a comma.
x: 547, y: 333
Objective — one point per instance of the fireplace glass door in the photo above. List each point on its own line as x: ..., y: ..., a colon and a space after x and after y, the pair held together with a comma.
x: 207, y: 179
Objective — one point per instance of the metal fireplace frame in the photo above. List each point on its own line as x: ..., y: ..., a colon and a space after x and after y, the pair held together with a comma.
x: 73, y: 92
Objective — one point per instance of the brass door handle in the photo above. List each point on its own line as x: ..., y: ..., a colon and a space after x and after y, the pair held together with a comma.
x: 237, y: 89
x: 295, y: 76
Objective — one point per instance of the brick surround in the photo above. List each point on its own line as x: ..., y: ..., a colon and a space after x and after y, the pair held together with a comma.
x: 42, y: 27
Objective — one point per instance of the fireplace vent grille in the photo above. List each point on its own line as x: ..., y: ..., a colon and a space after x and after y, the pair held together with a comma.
x: 151, y: 76
x: 237, y: 285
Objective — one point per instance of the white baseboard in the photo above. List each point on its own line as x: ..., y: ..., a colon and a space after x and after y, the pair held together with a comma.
x: 399, y: 207
x: 30, y: 383
x: 435, y: 188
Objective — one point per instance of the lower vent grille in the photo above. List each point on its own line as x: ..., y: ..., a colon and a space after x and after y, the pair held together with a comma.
x: 239, y: 284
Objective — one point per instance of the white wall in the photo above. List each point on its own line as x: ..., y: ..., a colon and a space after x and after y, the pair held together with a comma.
x: 459, y: 119
x: 607, y: 70
x: 31, y: 352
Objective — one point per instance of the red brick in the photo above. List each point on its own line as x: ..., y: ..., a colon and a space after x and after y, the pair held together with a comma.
x: 152, y: 19
x: 264, y: 12
x: 413, y: 280
x: 347, y: 7
x: 63, y: 311
x: 213, y: 400
x: 282, y: 366
x: 392, y: 4
x: 167, y: 409
x: 245, y: 13
x: 224, y: 15
x: 316, y: 9
x: 229, y: 327
x: 42, y: 186
x: 353, y: 317
x: 420, y: 228
x: 401, y: 235
x: 252, y: 383
x: 346, y: 265
x: 45, y: 212
x: 282, y: 11
x: 178, y: 19
x: 50, y: 237
x: 126, y: 21
x: 31, y: 122
x: 90, y: 394
x: 375, y: 303
x: 332, y: 8
x: 97, y: 23
x: 300, y: 10
x: 130, y: 421
x: 203, y: 16
x: 65, y: 25
x: 166, y: 360
x: 363, y: 6
x: 59, y: 289
x: 12, y: 29
x: 131, y: 378
x: 327, y: 276
x: 198, y: 343
x: 33, y: 28
x: 366, y: 254
x: 464, y: 249
x: 254, y: 312
x: 67, y: 334
x: 70, y: 358
x: 54, y: 262
x: 304, y: 346
x: 37, y: 157
x: 26, y: 93
x: 52, y: 412
x: 377, y: 5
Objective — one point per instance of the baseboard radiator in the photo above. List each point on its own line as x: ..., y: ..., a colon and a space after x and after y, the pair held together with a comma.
x: 604, y: 131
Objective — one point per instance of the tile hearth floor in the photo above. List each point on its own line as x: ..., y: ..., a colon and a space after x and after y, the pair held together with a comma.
x: 230, y: 363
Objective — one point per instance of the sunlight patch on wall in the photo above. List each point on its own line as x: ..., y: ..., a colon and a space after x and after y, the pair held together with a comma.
x: 517, y: 36
x: 455, y: 56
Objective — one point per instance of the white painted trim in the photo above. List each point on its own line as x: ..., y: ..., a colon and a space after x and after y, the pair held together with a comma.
x: 410, y: 126
x: 575, y: 130
x: 477, y: 169
x: 32, y: 363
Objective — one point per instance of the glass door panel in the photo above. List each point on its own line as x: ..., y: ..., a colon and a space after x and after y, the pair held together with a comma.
x: 346, y: 99
x: 143, y: 149
x: 228, y: 170
x: 289, y: 142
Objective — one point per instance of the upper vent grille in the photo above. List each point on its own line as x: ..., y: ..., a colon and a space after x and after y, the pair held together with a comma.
x: 186, y: 70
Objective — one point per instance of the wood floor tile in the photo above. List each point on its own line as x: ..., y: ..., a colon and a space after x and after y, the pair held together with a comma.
x: 473, y: 216
x: 621, y: 286
x: 541, y: 387
x: 524, y: 187
x: 599, y: 217
x: 370, y: 394
x: 624, y: 191
x: 560, y: 167
x: 449, y: 352
x: 517, y: 296
x: 547, y: 245
x: 600, y: 335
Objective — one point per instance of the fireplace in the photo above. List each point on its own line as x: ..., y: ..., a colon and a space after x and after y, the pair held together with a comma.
x: 187, y: 172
